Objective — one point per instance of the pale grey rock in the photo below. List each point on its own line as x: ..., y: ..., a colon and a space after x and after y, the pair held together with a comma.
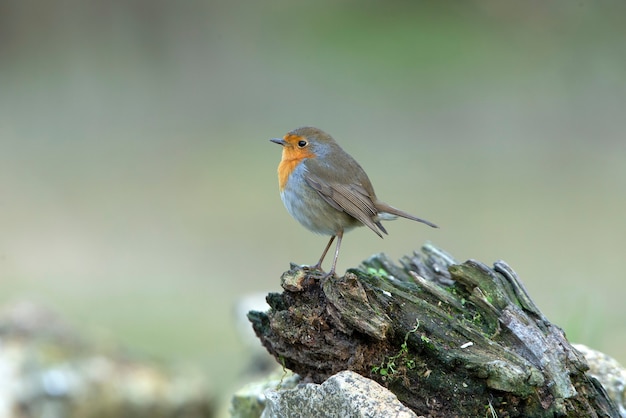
x: 249, y: 401
x: 344, y: 395
x: 609, y: 373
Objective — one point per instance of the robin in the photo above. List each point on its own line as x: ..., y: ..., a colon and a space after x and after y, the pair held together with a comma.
x: 327, y: 191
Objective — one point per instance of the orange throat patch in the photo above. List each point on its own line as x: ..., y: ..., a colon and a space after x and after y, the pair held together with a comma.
x: 292, y: 156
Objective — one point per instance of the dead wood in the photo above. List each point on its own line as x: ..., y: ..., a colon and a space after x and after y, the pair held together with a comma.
x: 448, y: 339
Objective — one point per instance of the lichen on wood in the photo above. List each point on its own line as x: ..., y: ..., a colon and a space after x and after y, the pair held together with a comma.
x: 448, y: 339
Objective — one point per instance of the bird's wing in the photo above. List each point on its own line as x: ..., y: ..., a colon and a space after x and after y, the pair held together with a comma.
x: 351, y: 198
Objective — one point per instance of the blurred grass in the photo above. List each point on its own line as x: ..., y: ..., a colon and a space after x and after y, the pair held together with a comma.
x: 138, y: 186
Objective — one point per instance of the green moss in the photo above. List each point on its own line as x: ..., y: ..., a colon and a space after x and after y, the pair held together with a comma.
x: 401, y: 361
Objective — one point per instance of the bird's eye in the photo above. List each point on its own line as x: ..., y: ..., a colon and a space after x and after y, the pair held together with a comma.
x: 302, y: 144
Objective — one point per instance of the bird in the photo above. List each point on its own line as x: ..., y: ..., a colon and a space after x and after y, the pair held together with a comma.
x: 327, y: 191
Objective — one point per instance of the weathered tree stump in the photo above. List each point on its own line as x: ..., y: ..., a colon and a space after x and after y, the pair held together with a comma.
x: 448, y: 339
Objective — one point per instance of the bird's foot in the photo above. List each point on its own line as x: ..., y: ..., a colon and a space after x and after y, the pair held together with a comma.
x: 319, y: 273
x: 299, y: 277
x: 315, y: 267
x: 326, y: 276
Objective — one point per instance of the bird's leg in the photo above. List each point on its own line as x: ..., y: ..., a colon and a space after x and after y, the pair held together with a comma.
x: 339, y: 236
x: 318, y: 266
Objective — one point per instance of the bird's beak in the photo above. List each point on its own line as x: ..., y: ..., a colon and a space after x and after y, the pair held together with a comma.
x: 279, y: 141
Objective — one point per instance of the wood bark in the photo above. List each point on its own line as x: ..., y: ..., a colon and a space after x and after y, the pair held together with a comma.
x: 448, y: 339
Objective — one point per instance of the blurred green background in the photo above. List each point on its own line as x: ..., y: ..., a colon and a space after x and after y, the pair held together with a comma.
x: 138, y: 191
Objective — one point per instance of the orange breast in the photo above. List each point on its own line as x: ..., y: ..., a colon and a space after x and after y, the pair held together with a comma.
x: 292, y: 156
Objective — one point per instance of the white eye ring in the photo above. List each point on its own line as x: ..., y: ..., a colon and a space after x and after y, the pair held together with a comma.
x: 302, y: 143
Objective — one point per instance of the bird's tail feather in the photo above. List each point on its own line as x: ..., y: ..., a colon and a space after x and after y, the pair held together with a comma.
x: 389, y: 212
